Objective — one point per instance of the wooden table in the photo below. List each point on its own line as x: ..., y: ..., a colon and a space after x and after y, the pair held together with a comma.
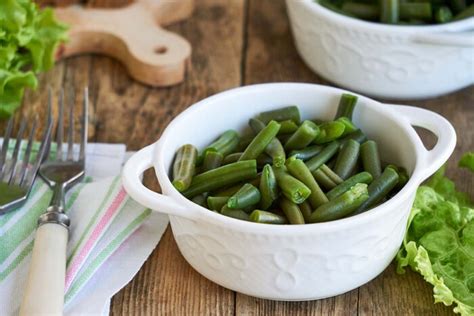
x: 235, y: 42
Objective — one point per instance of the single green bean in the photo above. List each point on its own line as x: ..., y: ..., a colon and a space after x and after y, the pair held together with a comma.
x: 282, y: 114
x: 238, y: 214
x: 265, y: 217
x: 323, y: 179
x: 346, y: 106
x: 260, y: 142
x: 466, y: 13
x: 268, y: 187
x: 234, y: 157
x: 402, y: 176
x: 212, y: 160
x: 329, y: 131
x: 369, y: 154
x: 327, y: 153
x: 343, y: 205
x: 306, y: 153
x: 389, y: 12
x: 287, y: 127
x: 357, y: 135
x: 216, y: 203
x: 247, y: 195
x: 221, y: 177
x: 362, y: 177
x: 292, y: 211
x: 379, y: 188
x: 292, y: 188
x: 443, y: 14
x: 306, y: 211
x: 274, y: 149
x: 228, y: 191
x: 347, y: 159
x: 361, y: 10
x: 200, y: 199
x: 416, y: 10
x: 184, y: 167
x: 349, y: 127
x: 331, y: 174
x: 303, y: 136
x: 300, y: 171
x: 225, y: 144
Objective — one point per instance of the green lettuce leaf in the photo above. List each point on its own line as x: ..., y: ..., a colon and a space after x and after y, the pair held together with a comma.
x: 467, y: 161
x: 29, y: 38
x: 439, y: 243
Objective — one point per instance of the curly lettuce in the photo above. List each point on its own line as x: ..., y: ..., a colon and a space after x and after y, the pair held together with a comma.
x: 439, y: 243
x: 28, y: 39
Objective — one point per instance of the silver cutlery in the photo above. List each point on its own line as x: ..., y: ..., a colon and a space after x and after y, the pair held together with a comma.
x: 44, y: 293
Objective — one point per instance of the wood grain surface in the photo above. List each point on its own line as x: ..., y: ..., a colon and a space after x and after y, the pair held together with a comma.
x: 234, y: 42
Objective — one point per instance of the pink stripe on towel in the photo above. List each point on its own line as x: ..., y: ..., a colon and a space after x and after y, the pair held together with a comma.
x: 94, y: 237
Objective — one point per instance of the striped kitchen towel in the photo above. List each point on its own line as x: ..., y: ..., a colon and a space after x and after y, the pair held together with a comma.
x: 103, y: 221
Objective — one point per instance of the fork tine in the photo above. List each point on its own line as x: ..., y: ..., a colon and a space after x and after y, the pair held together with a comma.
x: 16, y: 152
x: 85, y: 118
x: 6, y: 140
x: 60, y: 127
x: 27, y: 155
x: 70, y: 137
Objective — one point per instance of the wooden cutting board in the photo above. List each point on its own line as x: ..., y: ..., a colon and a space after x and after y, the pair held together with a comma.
x: 133, y: 35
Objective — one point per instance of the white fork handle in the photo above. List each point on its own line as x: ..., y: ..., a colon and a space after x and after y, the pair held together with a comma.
x: 44, y: 292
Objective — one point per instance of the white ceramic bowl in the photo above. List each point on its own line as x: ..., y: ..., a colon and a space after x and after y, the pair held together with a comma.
x: 290, y: 262
x: 390, y: 61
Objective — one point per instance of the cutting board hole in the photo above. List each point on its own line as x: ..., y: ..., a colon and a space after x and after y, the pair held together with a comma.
x: 160, y: 50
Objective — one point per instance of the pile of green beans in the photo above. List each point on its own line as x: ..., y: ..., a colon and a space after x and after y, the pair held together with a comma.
x: 287, y: 171
x: 403, y: 12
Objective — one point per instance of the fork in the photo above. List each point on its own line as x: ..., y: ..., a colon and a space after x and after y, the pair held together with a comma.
x: 16, y: 178
x: 44, y: 294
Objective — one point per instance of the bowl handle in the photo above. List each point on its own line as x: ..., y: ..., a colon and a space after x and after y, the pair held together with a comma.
x: 433, y: 159
x: 131, y: 180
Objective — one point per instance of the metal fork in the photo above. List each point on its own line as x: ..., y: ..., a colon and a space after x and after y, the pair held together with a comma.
x: 16, y: 178
x: 44, y: 293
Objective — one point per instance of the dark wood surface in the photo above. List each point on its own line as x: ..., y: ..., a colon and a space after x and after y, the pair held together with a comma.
x: 235, y: 42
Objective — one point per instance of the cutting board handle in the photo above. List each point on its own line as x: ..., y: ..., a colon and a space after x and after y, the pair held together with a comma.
x: 132, y: 35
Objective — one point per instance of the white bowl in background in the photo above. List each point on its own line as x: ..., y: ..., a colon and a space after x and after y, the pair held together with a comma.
x: 389, y: 61
x: 290, y: 262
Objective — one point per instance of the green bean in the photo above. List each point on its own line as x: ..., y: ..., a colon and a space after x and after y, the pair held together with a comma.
x: 342, y: 205
x: 306, y: 211
x: 466, y: 13
x: 300, y: 171
x: 292, y: 211
x: 247, y: 195
x: 216, y: 203
x: 379, y: 188
x: 347, y: 159
x: 327, y: 153
x: 402, y: 176
x: 443, y: 14
x: 323, y: 179
x: 287, y: 127
x: 184, y: 167
x: 303, y: 136
x: 329, y: 131
x: 260, y: 142
x: 389, y: 11
x: 282, y: 114
x: 416, y: 10
x: 292, y: 188
x: 212, y: 160
x: 331, y: 174
x: 225, y: 144
x: 264, y: 217
x: 200, y: 200
x: 362, y: 177
x: 222, y: 176
x: 369, y: 154
x: 306, y: 153
x: 458, y: 5
x: 346, y: 106
x: 361, y: 10
x: 274, y: 149
x: 238, y: 214
x: 234, y: 157
x: 268, y: 187
x: 349, y: 127
x: 357, y: 135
